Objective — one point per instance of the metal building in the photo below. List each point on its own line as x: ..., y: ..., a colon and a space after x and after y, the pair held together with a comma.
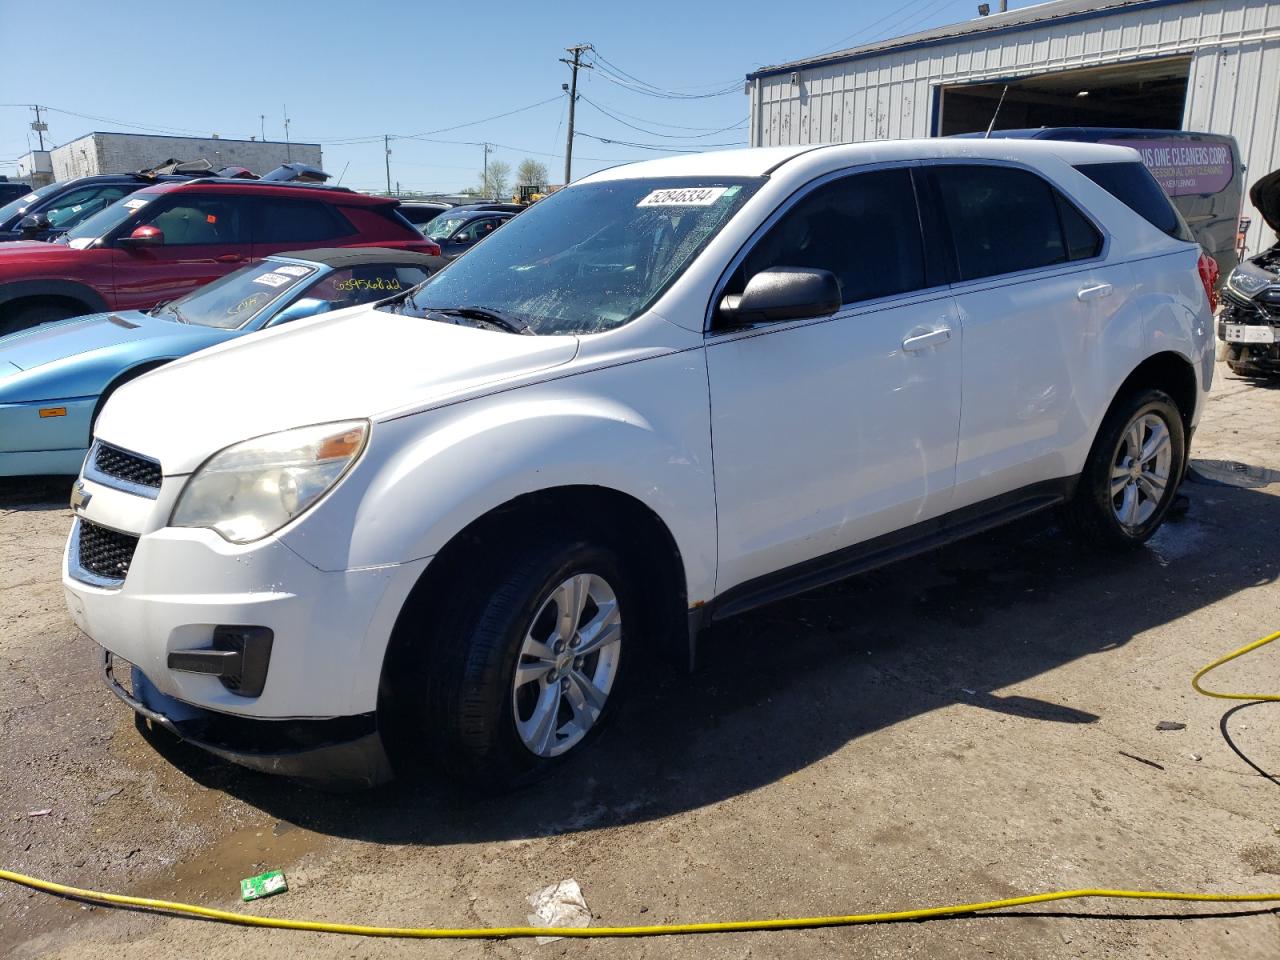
x: 99, y: 152
x: 1205, y: 65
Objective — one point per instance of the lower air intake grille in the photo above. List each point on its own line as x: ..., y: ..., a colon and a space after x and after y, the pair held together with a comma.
x: 104, y: 552
x: 124, y: 465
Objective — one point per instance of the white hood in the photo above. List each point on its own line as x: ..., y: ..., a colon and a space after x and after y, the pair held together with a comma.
x: 357, y: 363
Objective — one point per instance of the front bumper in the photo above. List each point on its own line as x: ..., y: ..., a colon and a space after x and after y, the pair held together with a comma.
x: 342, y: 752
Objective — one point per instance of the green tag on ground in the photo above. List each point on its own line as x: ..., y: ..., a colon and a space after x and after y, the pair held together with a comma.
x: 263, y: 885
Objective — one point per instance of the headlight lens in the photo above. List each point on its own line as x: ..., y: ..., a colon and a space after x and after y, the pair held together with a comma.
x: 254, y: 488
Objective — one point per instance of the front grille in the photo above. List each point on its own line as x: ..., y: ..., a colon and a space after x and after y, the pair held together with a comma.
x: 124, y: 465
x: 105, y: 553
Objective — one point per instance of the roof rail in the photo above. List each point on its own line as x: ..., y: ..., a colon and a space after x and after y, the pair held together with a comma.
x: 271, y: 183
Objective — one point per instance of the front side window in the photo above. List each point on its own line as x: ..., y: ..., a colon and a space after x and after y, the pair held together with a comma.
x: 591, y: 257
x: 196, y: 220
x: 299, y: 221
x: 863, y: 228
x: 81, y: 204
x: 478, y: 229
x: 366, y: 283
x: 1004, y: 220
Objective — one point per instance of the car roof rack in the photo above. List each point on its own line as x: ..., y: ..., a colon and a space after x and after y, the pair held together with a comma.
x: 292, y: 184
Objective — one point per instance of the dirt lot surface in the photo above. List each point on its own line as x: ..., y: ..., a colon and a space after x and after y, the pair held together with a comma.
x: 973, y: 724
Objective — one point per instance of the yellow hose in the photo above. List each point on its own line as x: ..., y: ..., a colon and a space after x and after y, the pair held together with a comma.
x: 1248, y: 648
x: 653, y: 930
x: 666, y: 929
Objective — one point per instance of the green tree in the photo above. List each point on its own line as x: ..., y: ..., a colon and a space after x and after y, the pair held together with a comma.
x: 531, y: 173
x: 496, y: 180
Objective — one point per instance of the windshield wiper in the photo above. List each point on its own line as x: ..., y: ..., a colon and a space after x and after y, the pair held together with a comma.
x: 168, y: 307
x: 484, y: 315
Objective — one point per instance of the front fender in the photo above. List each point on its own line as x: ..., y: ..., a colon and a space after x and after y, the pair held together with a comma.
x: 640, y: 428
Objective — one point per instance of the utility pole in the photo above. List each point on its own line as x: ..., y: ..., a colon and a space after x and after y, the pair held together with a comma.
x: 262, y: 121
x: 577, y: 51
x: 386, y: 145
x: 288, y: 147
x: 39, y: 126
x: 484, y: 183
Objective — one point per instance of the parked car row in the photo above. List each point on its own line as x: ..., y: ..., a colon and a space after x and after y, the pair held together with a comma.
x: 165, y: 239
x: 62, y: 373
x: 442, y: 530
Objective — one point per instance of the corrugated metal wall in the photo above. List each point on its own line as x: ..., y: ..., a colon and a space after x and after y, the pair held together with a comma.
x: 1234, y: 86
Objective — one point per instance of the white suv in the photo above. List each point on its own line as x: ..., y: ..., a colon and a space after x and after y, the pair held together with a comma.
x: 453, y: 523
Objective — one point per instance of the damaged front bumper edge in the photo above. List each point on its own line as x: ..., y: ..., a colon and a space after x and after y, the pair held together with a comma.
x: 339, y: 753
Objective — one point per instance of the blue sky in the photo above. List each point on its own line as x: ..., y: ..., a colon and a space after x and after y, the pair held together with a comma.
x: 357, y: 70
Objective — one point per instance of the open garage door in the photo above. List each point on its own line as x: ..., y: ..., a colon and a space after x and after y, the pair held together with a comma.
x: 1148, y: 94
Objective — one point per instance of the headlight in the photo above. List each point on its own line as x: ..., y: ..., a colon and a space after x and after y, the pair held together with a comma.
x: 254, y: 488
x: 1246, y: 283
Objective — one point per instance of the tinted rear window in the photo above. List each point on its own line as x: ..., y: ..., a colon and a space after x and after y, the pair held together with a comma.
x: 1133, y: 185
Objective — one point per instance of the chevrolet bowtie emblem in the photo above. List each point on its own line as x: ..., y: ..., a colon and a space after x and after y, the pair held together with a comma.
x: 80, y: 497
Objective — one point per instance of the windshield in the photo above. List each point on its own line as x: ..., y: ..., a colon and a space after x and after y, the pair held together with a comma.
x: 442, y: 226
x: 232, y: 301
x: 104, y: 221
x: 15, y: 207
x: 591, y: 257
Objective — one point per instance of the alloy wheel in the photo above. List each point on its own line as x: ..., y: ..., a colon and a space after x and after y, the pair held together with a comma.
x: 1140, y: 470
x: 567, y: 665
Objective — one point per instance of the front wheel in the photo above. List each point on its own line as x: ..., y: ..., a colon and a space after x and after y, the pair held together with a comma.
x: 1132, y: 473
x: 528, y: 668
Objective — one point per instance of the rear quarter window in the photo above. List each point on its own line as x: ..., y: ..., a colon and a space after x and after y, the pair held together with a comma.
x: 1133, y: 185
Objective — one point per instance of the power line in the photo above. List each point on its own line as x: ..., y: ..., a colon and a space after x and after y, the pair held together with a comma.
x: 660, y: 147
x: 675, y: 92
x: 658, y: 133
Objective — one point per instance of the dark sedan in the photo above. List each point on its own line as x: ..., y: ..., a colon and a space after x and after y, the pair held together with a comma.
x: 460, y: 229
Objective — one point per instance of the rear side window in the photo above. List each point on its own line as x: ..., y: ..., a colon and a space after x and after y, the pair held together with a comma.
x: 863, y: 228
x: 1004, y: 220
x: 1133, y: 185
x: 299, y: 221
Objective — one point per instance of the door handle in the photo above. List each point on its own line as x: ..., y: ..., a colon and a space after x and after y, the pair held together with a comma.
x: 920, y: 341
x: 229, y: 258
x: 1095, y: 292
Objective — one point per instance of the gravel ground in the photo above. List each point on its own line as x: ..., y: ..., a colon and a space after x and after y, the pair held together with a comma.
x: 973, y: 724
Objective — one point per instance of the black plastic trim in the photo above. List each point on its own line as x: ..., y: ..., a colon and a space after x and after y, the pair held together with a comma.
x: 890, y: 548
x: 340, y: 752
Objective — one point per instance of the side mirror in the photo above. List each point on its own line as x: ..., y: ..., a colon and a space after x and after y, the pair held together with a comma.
x: 782, y: 293
x: 145, y: 236
x: 305, y: 307
x: 460, y: 238
x: 33, y: 224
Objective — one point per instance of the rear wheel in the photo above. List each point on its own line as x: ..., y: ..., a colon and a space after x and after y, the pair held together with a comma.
x: 522, y: 673
x: 1132, y: 473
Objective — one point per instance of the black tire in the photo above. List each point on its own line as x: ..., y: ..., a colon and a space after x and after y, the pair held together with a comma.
x: 453, y: 693
x: 1092, y: 512
x: 1245, y: 369
x: 23, y: 318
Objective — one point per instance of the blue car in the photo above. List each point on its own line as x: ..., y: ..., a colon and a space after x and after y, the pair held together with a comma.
x: 55, y: 378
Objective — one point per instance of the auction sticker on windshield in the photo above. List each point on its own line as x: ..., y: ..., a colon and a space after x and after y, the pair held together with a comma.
x: 137, y: 203
x: 272, y: 279
x: 294, y: 271
x: 683, y: 197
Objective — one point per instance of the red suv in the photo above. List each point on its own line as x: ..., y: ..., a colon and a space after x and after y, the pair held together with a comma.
x: 158, y: 243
